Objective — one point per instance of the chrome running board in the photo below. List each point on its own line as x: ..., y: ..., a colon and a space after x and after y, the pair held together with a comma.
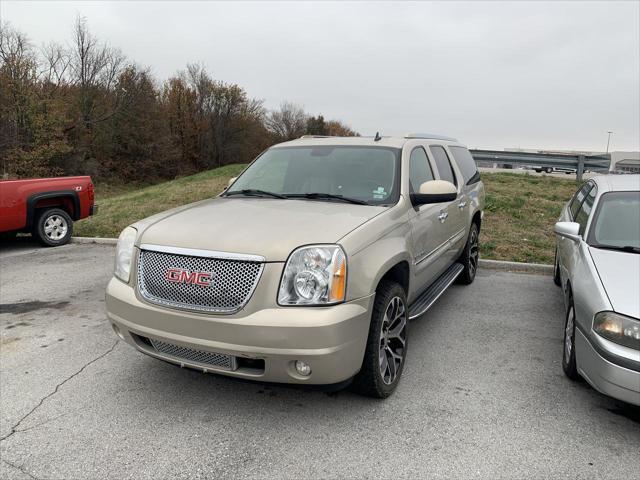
x: 437, y: 288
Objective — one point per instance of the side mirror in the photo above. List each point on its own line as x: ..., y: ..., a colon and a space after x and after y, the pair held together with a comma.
x: 570, y: 230
x: 434, y: 191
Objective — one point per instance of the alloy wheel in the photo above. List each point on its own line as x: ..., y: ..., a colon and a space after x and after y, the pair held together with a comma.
x: 473, y: 252
x: 393, y: 338
x: 55, y: 227
x: 568, y: 336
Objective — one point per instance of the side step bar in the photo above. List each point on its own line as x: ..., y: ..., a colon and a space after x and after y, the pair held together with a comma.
x: 431, y: 294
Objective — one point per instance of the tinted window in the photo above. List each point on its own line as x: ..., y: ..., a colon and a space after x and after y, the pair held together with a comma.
x: 419, y: 169
x: 466, y: 163
x: 577, y: 199
x: 585, y: 210
x: 444, y: 166
x: 365, y: 173
x: 617, y: 220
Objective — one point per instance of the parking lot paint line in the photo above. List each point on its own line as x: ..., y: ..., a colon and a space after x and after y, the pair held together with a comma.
x: 516, y: 267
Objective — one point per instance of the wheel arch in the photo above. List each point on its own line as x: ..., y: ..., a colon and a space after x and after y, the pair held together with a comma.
x: 66, y: 200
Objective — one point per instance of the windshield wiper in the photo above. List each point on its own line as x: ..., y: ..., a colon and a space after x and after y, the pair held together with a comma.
x: 320, y: 195
x: 252, y: 192
x: 624, y: 248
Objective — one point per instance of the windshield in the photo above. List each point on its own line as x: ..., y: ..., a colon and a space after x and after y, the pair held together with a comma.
x: 616, y: 222
x: 367, y: 174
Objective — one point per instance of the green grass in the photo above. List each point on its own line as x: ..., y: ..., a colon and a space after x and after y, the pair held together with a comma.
x: 520, y: 212
x: 122, y: 205
x: 520, y: 209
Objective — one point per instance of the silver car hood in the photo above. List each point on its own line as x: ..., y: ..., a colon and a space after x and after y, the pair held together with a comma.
x: 620, y: 276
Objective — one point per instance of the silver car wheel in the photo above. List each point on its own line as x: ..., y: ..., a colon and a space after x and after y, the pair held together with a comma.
x: 393, y: 337
x: 55, y: 227
x: 473, y: 252
x: 568, y: 336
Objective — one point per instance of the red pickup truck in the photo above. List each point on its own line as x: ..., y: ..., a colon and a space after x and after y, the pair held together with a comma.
x: 46, y: 207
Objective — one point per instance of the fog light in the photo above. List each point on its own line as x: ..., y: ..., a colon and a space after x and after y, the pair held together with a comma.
x: 303, y: 368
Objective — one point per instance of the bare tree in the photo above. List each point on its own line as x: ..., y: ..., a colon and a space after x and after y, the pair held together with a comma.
x: 287, y: 123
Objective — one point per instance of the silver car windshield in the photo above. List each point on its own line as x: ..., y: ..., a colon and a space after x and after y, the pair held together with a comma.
x: 361, y: 173
x: 616, y: 222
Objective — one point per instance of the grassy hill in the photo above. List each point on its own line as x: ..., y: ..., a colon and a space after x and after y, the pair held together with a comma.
x: 518, y: 225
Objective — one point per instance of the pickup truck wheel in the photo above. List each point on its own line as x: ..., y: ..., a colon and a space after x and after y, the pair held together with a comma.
x: 470, y: 256
x: 569, y: 344
x: 53, y: 227
x: 386, y: 344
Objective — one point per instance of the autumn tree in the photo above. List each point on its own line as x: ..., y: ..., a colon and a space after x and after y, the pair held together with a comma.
x: 287, y: 123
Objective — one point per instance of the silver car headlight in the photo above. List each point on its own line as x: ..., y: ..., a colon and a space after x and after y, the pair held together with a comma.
x: 618, y: 328
x: 124, y: 253
x: 314, y: 275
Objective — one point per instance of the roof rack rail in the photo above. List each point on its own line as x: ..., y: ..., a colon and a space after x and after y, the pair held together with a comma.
x: 430, y: 136
x: 317, y: 136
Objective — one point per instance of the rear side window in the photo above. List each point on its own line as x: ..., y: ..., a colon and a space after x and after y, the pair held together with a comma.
x: 467, y: 164
x: 578, y: 198
x: 419, y: 169
x: 443, y: 164
x: 585, y: 210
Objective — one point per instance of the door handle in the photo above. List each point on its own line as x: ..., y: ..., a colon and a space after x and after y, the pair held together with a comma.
x: 443, y: 216
x: 462, y: 204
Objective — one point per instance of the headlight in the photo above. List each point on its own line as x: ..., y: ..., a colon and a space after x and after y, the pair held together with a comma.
x: 618, y: 328
x: 314, y: 275
x: 124, y: 253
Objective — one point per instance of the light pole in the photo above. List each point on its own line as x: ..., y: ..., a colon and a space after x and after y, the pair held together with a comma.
x: 608, y: 140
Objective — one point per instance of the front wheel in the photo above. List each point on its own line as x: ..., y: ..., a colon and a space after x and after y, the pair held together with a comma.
x: 53, y: 227
x: 569, y: 350
x: 470, y: 257
x: 556, y: 269
x: 386, y: 349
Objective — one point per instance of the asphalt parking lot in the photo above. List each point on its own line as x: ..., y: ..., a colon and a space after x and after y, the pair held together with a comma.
x: 483, y: 394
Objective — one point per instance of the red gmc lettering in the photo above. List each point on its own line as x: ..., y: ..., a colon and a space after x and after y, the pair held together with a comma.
x: 177, y: 275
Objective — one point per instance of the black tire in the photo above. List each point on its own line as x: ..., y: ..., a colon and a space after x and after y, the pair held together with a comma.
x: 569, y: 344
x: 470, y: 256
x: 548, y: 169
x: 370, y: 381
x: 556, y: 269
x: 53, y: 227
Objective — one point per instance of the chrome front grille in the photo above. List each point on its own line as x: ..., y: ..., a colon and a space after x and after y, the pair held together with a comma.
x: 167, y: 278
x: 219, y: 360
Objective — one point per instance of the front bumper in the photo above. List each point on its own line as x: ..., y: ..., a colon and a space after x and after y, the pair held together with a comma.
x: 265, y: 342
x: 604, y: 375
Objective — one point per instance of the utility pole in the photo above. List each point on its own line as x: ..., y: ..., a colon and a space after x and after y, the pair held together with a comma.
x: 608, y: 140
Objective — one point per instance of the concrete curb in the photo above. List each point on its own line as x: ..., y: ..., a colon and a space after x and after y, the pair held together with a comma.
x: 98, y: 240
x: 490, y: 264
x: 518, y: 267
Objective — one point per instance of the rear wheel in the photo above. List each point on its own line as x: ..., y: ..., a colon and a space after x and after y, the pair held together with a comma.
x: 470, y: 256
x: 548, y: 169
x: 386, y: 349
x: 569, y: 344
x: 53, y: 227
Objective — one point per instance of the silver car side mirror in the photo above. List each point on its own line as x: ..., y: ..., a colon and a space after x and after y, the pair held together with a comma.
x: 435, y: 191
x: 570, y: 230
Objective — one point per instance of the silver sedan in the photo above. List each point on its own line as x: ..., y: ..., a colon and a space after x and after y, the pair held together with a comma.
x: 598, y: 266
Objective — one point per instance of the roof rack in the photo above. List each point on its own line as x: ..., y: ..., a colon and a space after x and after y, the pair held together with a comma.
x: 430, y: 136
x: 317, y: 136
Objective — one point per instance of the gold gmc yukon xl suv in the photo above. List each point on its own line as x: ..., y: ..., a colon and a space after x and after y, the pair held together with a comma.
x: 309, y: 266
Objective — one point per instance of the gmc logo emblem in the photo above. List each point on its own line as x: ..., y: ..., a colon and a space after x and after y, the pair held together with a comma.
x: 178, y: 275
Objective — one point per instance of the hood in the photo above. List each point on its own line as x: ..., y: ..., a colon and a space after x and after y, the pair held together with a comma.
x: 268, y: 227
x: 620, y: 276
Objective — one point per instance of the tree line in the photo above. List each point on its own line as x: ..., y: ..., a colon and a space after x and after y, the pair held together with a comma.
x: 86, y: 109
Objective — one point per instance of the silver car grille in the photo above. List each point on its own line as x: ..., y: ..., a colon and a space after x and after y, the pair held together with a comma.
x: 230, y: 280
x: 219, y: 360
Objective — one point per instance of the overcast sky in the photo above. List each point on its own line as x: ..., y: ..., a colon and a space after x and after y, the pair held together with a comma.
x: 495, y: 75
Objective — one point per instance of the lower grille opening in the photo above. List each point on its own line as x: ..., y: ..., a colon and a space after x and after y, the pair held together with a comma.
x: 251, y: 365
x: 178, y: 352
